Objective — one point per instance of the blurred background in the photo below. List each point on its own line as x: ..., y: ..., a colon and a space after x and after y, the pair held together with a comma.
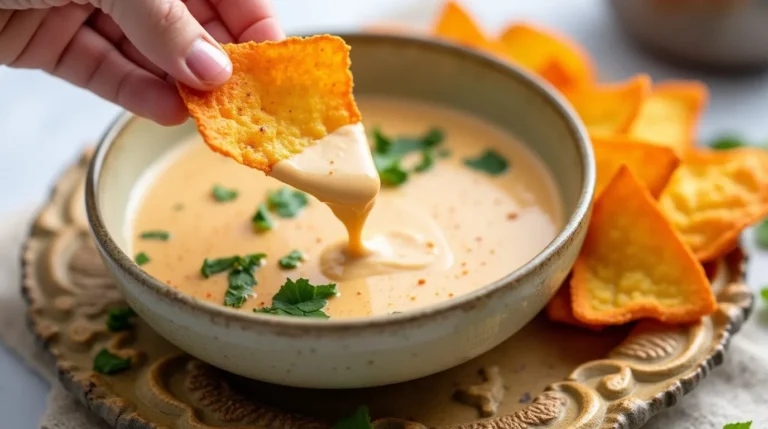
x: 45, y: 122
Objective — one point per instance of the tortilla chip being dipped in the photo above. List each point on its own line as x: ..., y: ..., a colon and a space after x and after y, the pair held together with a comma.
x: 652, y: 165
x: 282, y: 97
x: 634, y: 265
x: 714, y: 195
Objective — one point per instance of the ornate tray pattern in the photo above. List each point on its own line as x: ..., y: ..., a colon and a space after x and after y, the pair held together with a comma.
x: 617, y: 378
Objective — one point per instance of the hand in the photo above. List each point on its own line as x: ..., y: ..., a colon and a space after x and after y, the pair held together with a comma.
x: 131, y: 51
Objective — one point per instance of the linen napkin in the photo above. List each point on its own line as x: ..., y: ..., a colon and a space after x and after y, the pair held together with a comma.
x: 736, y: 391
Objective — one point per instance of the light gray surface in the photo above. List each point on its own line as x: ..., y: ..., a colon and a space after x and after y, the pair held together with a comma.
x: 44, y: 122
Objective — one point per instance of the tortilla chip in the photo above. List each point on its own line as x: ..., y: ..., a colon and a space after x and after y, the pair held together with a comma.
x: 563, y: 63
x: 559, y: 310
x: 670, y: 114
x: 714, y: 195
x: 282, y: 97
x: 457, y: 25
x: 634, y: 265
x: 609, y: 109
x: 652, y: 165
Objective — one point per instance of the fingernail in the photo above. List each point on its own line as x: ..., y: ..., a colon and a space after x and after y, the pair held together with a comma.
x: 208, y: 63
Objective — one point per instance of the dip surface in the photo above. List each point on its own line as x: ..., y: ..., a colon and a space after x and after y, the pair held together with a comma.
x: 476, y: 227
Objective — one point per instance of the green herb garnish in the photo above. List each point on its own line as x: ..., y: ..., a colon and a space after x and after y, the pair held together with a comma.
x: 286, y: 202
x: 261, y: 220
x: 764, y: 293
x: 726, y: 142
x: 490, y: 162
x: 141, y: 258
x: 222, y: 194
x: 215, y: 266
x: 155, y: 235
x: 107, y: 363
x: 300, y: 299
x: 361, y: 419
x: 745, y: 425
x: 761, y: 234
x: 291, y: 260
x: 240, y: 279
x: 119, y: 319
x: 389, y: 153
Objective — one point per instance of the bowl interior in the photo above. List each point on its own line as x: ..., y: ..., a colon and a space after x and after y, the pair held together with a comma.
x: 400, y: 67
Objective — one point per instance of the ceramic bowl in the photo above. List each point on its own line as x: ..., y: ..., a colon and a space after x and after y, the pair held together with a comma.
x: 377, y: 350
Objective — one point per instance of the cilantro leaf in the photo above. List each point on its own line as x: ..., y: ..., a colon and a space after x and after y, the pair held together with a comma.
x: 393, y: 175
x: 360, y: 419
x: 222, y: 194
x: 240, y: 279
x: 726, y: 142
x: 291, y: 260
x: 744, y: 425
x: 141, y: 258
x: 215, y: 266
x: 241, y: 283
x: 427, y: 161
x: 761, y: 234
x: 382, y: 143
x: 764, y: 293
x: 156, y: 235
x: 389, y: 153
x: 108, y: 363
x: 261, y: 220
x: 490, y: 162
x: 300, y: 299
x: 287, y: 203
x: 119, y: 319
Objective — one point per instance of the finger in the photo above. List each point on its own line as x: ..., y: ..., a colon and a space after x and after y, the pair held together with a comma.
x: 52, y: 36
x: 249, y: 20
x: 204, y: 13
x: 17, y: 32
x: 92, y: 62
x: 107, y: 28
x: 219, y: 32
x: 167, y: 33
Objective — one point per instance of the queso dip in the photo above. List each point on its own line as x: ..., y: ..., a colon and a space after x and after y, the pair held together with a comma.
x: 447, y: 230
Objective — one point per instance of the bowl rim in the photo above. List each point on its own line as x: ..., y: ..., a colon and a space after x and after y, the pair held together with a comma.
x: 303, y: 326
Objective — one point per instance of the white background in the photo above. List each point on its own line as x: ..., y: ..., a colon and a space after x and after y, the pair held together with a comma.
x: 44, y: 122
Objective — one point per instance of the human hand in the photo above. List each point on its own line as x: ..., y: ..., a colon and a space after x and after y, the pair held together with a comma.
x: 130, y: 52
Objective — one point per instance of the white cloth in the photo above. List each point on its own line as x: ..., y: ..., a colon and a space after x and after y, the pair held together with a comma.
x: 736, y: 391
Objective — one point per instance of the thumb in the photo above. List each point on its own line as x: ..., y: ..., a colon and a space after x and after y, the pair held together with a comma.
x: 169, y: 36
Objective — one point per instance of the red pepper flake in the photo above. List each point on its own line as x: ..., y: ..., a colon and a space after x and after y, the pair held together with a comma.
x: 422, y: 282
x: 359, y: 293
x: 208, y: 295
x: 333, y: 162
x: 512, y: 216
x: 330, y: 173
x: 318, y: 240
x: 450, y: 295
x: 413, y: 298
x: 430, y: 245
x: 464, y: 272
x: 478, y: 239
x: 464, y: 264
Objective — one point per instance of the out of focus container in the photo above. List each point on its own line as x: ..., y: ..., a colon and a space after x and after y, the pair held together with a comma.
x: 724, y: 35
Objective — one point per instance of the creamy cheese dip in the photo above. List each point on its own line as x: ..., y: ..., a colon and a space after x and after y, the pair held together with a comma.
x: 442, y: 233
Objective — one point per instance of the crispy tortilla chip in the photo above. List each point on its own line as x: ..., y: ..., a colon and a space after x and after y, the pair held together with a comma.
x: 670, y: 114
x: 634, y: 265
x: 554, y: 57
x: 652, y: 165
x: 559, y: 310
x: 282, y: 97
x: 457, y: 25
x: 609, y: 109
x: 714, y: 195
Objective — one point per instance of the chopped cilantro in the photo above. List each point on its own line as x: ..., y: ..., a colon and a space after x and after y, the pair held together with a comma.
x: 107, y: 363
x: 291, y: 260
x: 761, y: 234
x: 141, y: 258
x: 241, y: 283
x: 119, y: 319
x: 443, y: 153
x: 286, y: 202
x: 764, y: 293
x: 300, y: 299
x: 156, y: 235
x: 215, y: 266
x: 222, y: 194
x: 389, y: 153
x: 744, y: 425
x: 490, y: 162
x: 727, y: 142
x: 361, y: 419
x: 261, y: 220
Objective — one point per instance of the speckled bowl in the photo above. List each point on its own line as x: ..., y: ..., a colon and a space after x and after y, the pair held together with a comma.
x: 382, y: 349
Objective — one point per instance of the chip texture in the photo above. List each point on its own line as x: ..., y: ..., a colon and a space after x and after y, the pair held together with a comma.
x: 559, y: 310
x: 670, y: 114
x: 652, y: 165
x: 634, y: 265
x: 714, y: 196
x: 281, y: 98
x: 609, y: 109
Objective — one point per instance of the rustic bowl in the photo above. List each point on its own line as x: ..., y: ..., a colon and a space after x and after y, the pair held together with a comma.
x: 383, y: 349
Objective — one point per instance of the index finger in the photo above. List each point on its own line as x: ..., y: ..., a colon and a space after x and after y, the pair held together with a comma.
x: 249, y: 20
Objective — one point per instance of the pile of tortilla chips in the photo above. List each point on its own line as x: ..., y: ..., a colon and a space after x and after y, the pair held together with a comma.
x: 663, y: 207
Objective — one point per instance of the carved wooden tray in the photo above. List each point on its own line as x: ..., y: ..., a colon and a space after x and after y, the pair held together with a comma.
x: 546, y: 376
